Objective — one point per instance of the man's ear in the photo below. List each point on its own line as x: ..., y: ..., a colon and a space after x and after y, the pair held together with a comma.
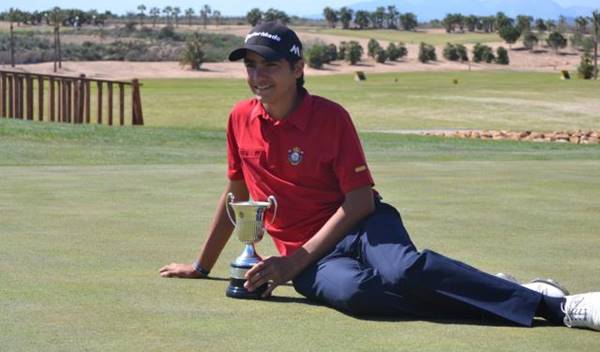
x: 299, y: 68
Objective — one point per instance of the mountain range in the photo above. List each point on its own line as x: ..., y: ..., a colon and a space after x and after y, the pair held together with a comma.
x: 427, y: 9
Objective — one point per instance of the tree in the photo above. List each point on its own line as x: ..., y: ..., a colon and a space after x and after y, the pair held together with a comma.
x: 57, y: 17
x: 373, y: 47
x: 395, y: 52
x: 12, y: 17
x: 502, y: 56
x: 503, y: 20
x: 353, y: 52
x: 563, y: 27
x: 510, y: 34
x: 217, y: 17
x: 581, y: 24
x: 361, y: 18
x: 192, y: 53
x: 427, y: 53
x: 254, y: 16
x: 472, y: 22
x: 556, y: 41
x: 204, y: 12
x: 176, y: 12
x: 316, y: 55
x: 381, y: 56
x: 530, y: 40
x: 378, y: 17
x: 141, y: 14
x: 392, y: 17
x: 524, y: 23
x: 585, y: 69
x: 596, y: 25
x: 482, y: 52
x: 345, y: 17
x: 154, y: 12
x: 168, y: 10
x: 540, y: 26
x: 408, y: 21
x: 274, y: 15
x: 331, y: 16
x: 189, y: 13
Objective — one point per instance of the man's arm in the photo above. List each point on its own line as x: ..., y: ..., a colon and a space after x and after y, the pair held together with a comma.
x: 277, y: 270
x: 219, y: 232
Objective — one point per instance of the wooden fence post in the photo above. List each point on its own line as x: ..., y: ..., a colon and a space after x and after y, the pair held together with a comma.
x: 99, y: 89
x: 110, y: 103
x: 2, y: 94
x: 52, y: 99
x: 29, y: 93
x: 88, y: 106
x: 136, y: 104
x: 121, y: 104
x: 11, y: 96
x: 40, y: 98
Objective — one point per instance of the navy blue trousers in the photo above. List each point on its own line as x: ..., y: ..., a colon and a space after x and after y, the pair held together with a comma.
x: 376, y: 270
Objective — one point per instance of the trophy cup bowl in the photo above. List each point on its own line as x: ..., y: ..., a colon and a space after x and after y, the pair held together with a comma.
x: 249, y: 229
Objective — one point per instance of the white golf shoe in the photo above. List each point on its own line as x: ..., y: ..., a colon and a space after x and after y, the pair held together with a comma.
x: 546, y: 287
x: 582, y: 311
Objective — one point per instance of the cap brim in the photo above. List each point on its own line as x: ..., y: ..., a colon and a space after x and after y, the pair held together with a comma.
x: 263, y: 51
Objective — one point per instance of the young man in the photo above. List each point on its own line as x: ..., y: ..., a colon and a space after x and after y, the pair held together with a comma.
x: 339, y: 243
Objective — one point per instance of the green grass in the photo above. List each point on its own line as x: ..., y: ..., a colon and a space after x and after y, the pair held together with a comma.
x: 422, y: 100
x: 89, y: 214
x: 434, y: 38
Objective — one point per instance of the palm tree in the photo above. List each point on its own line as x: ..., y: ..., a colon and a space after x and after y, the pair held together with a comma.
x: 581, y: 23
x: 154, y: 12
x: 167, y: 11
x: 204, y: 12
x: 12, y: 17
x: 57, y: 16
x: 217, y: 17
x: 596, y: 24
x: 141, y: 9
x: 189, y: 13
x: 176, y: 12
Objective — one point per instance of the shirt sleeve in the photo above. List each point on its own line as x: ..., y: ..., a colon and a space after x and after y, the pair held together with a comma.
x: 234, y: 162
x: 350, y: 163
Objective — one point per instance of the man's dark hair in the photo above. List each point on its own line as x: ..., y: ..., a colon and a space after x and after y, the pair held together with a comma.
x: 299, y: 81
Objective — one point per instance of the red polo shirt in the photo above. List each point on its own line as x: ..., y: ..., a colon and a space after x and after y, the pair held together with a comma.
x: 308, y: 161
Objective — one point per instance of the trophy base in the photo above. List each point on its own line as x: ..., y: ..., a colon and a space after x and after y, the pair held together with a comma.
x: 236, y: 289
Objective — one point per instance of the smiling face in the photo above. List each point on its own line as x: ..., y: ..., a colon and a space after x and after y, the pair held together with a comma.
x: 273, y: 82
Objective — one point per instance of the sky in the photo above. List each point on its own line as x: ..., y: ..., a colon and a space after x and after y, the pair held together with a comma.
x: 226, y: 7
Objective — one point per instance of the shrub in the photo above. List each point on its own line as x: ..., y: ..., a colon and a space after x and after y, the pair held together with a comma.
x: 556, y: 41
x: 427, y: 53
x: 462, y: 52
x: 192, y: 53
x: 317, y: 56
x: 502, y: 56
x: 585, y: 69
x: 332, y: 53
x: 353, y: 52
x: 381, y: 56
x: 396, y: 52
x: 530, y: 40
x: 450, y: 53
x: 482, y: 52
x: 373, y: 47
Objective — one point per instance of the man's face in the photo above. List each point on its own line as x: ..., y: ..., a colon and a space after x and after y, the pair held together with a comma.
x: 271, y: 81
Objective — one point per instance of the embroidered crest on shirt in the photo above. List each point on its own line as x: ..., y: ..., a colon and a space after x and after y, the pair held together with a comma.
x: 295, y: 156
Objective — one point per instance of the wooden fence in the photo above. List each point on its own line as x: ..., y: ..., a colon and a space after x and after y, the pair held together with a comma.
x: 57, y: 98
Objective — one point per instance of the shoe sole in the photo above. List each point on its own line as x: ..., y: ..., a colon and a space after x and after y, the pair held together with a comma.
x: 551, y: 283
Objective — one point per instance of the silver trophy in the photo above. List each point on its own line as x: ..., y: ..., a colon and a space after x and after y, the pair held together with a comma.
x: 249, y: 228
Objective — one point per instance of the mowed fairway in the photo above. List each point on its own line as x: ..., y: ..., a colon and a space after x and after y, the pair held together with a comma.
x: 423, y: 100
x: 88, y: 214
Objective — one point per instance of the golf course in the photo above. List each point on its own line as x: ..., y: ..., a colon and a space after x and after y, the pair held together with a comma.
x: 88, y: 214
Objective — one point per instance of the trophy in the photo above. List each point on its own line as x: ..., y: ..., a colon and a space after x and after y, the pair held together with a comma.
x: 249, y: 228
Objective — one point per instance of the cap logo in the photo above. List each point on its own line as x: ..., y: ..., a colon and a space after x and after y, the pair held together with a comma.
x: 263, y: 34
x: 296, y: 50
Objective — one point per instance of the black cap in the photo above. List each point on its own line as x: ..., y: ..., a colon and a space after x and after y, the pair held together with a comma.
x: 271, y: 40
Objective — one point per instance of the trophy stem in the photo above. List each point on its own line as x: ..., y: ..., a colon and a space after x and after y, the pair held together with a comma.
x: 238, y: 270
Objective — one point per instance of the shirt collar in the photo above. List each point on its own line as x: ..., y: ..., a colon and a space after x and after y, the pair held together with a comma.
x: 299, y: 117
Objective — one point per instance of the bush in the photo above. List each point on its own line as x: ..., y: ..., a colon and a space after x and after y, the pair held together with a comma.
x: 502, y: 56
x: 482, y: 52
x: 192, y: 53
x: 396, y: 52
x: 332, y: 53
x: 427, y: 53
x: 585, y: 69
x: 317, y: 55
x: 530, y: 40
x: 462, y: 52
x: 353, y: 52
x: 450, y: 53
x: 556, y: 41
x: 373, y: 47
x: 342, y: 50
x: 381, y: 56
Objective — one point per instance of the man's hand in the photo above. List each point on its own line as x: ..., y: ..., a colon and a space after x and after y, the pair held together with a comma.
x: 185, y: 271
x: 272, y: 270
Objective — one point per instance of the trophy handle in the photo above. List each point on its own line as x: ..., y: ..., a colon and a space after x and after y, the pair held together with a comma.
x: 272, y: 201
x: 230, y: 199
